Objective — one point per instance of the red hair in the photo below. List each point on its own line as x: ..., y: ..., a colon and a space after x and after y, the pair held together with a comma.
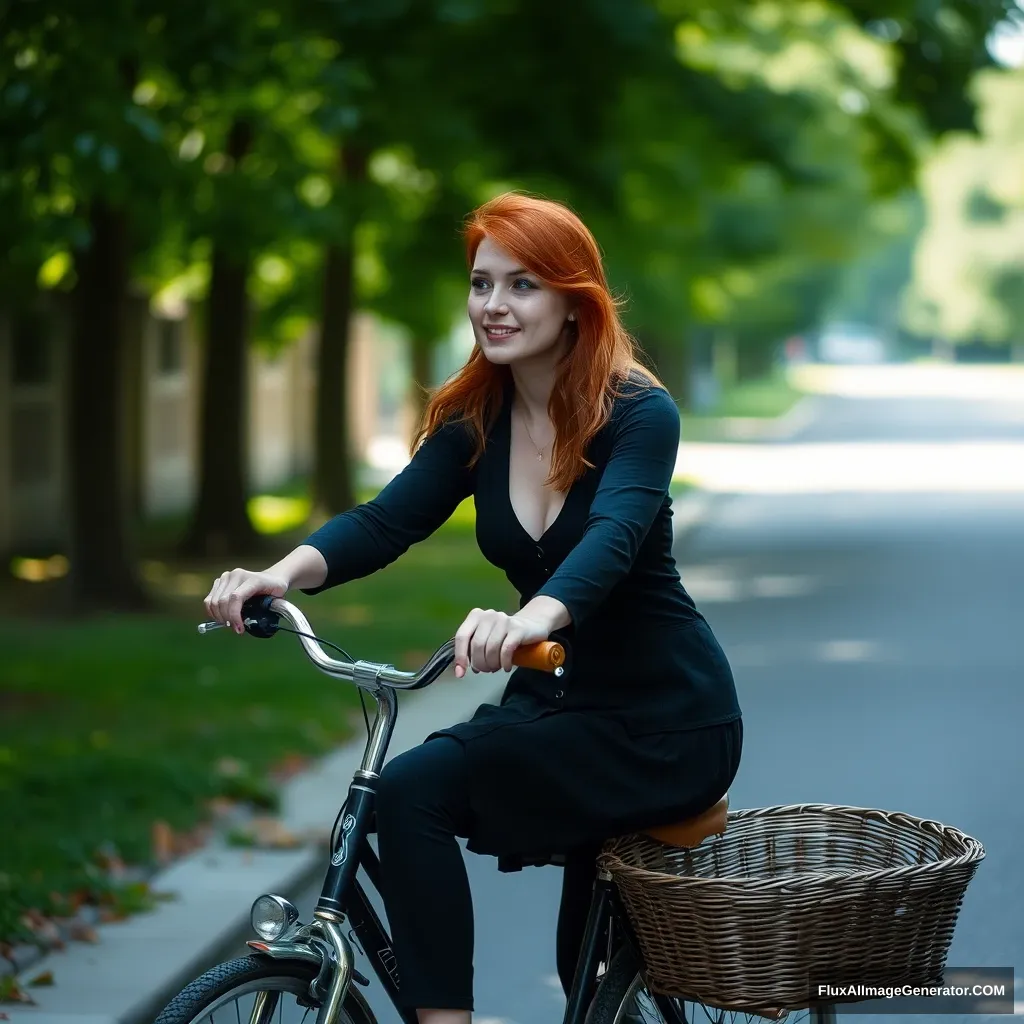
x: 554, y: 244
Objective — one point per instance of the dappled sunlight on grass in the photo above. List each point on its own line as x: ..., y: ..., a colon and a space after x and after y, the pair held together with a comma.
x: 765, y: 397
x: 272, y: 513
x: 39, y: 570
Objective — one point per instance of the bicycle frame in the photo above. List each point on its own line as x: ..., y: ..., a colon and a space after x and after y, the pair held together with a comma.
x: 343, y: 900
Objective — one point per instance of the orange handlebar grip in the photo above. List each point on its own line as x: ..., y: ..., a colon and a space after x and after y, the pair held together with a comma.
x: 545, y: 656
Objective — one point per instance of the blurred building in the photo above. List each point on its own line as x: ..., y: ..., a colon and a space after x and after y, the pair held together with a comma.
x: 165, y: 405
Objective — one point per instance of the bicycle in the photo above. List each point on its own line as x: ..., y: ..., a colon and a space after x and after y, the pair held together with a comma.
x: 314, y: 962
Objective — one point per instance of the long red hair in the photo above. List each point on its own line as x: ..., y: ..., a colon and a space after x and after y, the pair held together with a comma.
x: 554, y: 244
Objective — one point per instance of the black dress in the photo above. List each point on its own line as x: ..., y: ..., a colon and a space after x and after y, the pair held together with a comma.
x: 644, y: 726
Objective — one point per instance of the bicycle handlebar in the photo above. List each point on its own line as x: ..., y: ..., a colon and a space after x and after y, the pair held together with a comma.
x: 260, y: 616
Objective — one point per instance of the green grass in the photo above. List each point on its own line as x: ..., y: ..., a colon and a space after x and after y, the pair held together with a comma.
x: 764, y: 398
x: 109, y: 725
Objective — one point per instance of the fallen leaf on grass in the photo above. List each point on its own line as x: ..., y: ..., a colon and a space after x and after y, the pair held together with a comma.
x: 12, y: 992
x: 162, y: 840
x: 45, y: 930
x: 83, y: 933
x: 265, y: 833
x: 109, y: 859
x: 289, y: 766
x: 221, y: 806
x: 44, y: 979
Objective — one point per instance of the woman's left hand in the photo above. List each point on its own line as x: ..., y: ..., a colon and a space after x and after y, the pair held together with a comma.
x: 487, y: 640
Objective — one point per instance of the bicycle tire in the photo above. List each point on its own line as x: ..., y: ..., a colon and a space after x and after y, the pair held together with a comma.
x: 200, y: 998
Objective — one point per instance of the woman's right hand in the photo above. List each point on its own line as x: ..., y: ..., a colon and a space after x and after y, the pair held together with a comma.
x: 230, y: 589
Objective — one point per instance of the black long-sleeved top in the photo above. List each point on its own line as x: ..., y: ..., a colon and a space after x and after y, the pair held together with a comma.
x: 639, y: 648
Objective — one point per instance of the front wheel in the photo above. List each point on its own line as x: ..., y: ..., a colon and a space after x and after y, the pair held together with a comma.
x: 256, y: 990
x: 622, y: 998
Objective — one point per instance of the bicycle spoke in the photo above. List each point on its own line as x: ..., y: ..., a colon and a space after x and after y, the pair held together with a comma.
x: 238, y: 1012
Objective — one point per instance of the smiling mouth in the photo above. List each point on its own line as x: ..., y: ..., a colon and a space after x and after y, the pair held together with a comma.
x: 496, y: 333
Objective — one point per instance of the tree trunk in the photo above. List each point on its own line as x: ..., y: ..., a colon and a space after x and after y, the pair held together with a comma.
x: 422, y: 376
x: 333, y: 488
x: 333, y: 491
x: 103, y: 570
x: 754, y: 361
x: 221, y: 524
x: 135, y: 384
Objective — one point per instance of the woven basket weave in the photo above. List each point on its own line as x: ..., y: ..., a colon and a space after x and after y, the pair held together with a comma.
x: 795, y: 895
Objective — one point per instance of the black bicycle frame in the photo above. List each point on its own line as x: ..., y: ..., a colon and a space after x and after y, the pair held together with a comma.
x: 343, y: 896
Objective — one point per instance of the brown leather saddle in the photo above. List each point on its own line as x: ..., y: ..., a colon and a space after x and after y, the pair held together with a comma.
x: 693, y: 831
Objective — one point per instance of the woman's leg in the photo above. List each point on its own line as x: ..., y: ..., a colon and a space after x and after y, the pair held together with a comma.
x: 422, y: 805
x: 577, y: 890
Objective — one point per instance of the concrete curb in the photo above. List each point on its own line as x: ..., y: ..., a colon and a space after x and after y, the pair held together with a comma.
x: 138, y: 965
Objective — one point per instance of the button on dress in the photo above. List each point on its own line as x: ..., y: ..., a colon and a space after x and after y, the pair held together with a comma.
x: 644, y: 727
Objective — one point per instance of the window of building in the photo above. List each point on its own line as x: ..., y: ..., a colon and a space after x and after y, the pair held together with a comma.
x: 170, y: 354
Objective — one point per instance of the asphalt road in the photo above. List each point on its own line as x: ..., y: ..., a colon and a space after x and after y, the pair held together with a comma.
x: 878, y: 645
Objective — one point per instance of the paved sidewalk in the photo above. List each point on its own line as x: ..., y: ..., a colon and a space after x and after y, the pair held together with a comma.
x: 139, y: 964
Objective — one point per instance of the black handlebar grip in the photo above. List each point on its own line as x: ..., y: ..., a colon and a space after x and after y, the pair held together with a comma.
x: 259, y: 620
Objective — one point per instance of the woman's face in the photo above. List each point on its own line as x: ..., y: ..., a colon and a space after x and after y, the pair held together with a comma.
x: 515, y: 316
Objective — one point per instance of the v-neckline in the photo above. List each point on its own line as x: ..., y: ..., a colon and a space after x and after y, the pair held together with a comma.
x: 508, y: 486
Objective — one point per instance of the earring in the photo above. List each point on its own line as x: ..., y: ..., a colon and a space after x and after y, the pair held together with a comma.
x: 572, y: 318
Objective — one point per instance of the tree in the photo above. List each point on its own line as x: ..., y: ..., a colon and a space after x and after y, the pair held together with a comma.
x: 80, y: 152
x: 969, y: 261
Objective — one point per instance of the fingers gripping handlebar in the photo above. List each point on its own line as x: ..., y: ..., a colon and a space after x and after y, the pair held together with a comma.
x: 262, y: 615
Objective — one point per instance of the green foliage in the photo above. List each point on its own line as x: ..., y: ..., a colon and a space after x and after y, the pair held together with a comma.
x: 969, y: 264
x: 728, y: 156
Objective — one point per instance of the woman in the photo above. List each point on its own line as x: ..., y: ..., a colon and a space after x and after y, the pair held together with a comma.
x: 567, y: 446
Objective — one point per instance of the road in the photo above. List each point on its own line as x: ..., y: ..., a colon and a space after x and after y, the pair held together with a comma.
x: 875, y: 631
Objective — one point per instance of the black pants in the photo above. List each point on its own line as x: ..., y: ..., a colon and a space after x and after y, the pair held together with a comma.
x: 422, y: 805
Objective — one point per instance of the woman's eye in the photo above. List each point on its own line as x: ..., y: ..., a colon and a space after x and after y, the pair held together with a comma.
x: 522, y: 281
x: 479, y: 283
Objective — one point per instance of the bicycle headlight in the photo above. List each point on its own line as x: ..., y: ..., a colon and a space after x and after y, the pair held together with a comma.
x: 272, y: 916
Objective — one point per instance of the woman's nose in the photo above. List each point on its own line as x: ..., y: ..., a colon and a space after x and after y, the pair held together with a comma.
x: 495, y: 304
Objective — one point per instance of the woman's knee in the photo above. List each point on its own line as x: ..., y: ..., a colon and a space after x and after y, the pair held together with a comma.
x: 424, y: 784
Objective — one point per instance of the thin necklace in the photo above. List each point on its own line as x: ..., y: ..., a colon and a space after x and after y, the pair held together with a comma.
x: 539, y: 451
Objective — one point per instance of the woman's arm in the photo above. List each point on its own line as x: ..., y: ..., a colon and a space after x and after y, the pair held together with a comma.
x: 409, y: 509
x: 302, y: 569
x: 632, y: 490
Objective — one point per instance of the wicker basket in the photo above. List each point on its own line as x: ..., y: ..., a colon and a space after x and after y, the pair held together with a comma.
x: 793, y: 896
